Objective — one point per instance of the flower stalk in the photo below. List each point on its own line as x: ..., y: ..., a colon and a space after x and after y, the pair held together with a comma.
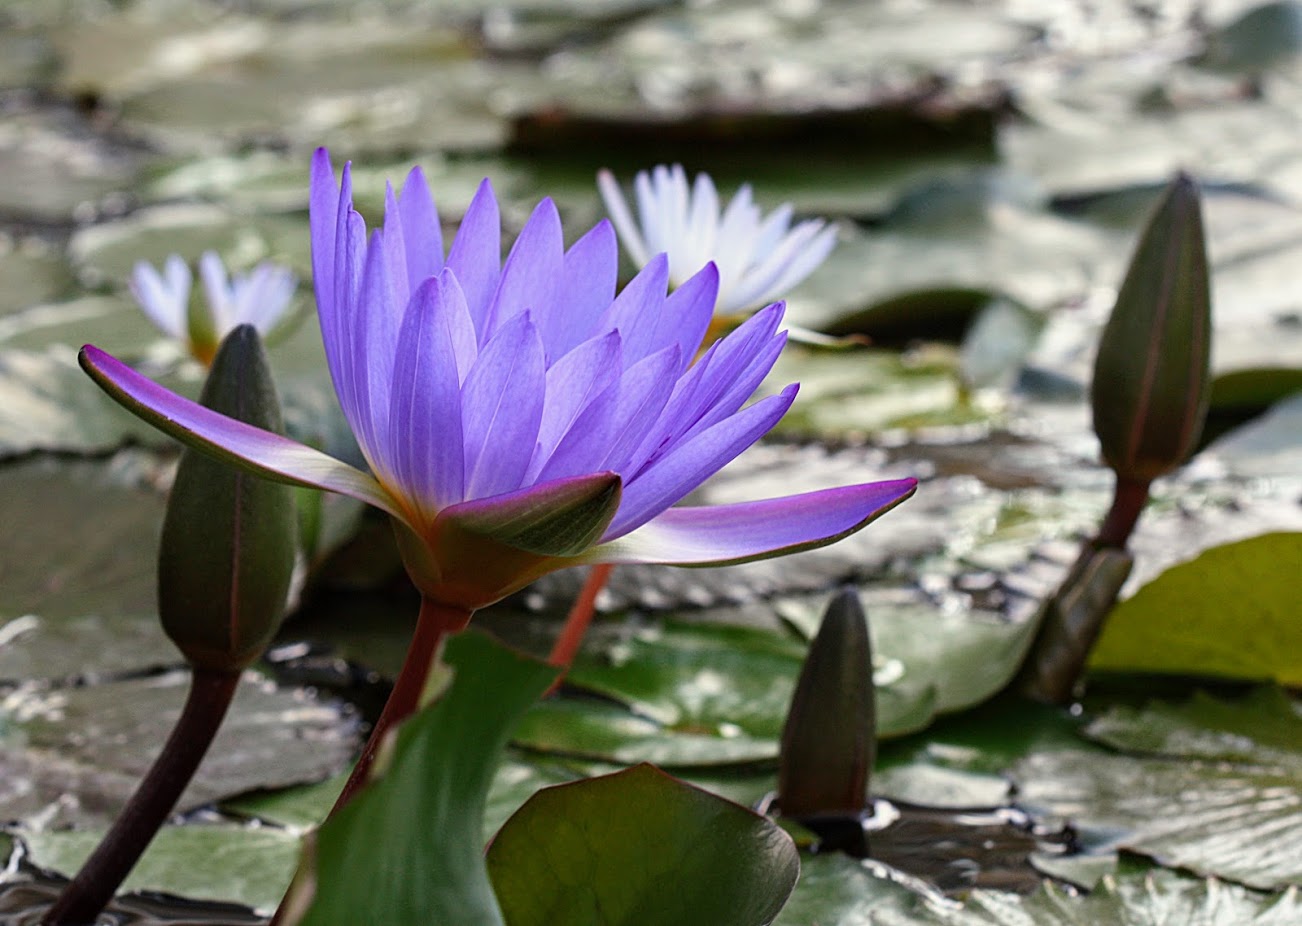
x: 434, y: 625
x: 206, y: 704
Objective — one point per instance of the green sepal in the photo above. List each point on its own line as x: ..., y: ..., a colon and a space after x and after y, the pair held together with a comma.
x: 563, y: 518
x: 227, y: 550
x: 829, y: 742
x: 1152, y: 375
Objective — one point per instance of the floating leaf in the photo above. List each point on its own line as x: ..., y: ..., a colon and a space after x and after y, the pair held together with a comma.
x: 250, y: 865
x: 1240, y: 822
x: 1230, y: 612
x: 639, y: 847
x: 81, y: 750
x: 1264, y: 728
x: 1152, y: 900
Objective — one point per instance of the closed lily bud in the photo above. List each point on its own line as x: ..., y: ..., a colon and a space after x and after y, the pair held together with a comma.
x: 1151, y: 377
x: 228, y: 537
x: 829, y: 742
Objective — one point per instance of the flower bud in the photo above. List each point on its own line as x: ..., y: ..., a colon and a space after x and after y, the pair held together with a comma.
x: 228, y: 546
x: 829, y: 742
x: 1151, y: 377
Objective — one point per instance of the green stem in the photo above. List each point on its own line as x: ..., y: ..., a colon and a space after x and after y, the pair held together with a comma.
x: 435, y: 623
x: 153, y: 801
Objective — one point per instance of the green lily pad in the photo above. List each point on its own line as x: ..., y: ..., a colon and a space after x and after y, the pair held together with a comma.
x: 639, y: 847
x: 48, y: 403
x: 34, y: 272
x: 836, y: 890
x: 1264, y: 728
x: 89, y: 546
x: 1230, y: 612
x: 1268, y: 447
x: 1151, y: 900
x: 77, y: 753
x: 1234, y: 821
x: 251, y: 865
x: 107, y: 252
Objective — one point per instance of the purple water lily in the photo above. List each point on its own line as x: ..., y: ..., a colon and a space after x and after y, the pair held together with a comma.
x: 521, y: 417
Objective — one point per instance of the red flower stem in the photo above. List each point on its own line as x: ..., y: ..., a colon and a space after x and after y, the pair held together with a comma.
x: 1128, y: 501
x: 577, y: 621
x: 436, y: 623
x: 91, y: 890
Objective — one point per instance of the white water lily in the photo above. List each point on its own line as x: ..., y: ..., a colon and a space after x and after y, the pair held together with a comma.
x: 759, y: 257
x: 258, y: 298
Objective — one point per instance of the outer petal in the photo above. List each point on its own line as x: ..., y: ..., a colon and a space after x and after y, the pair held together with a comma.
x: 722, y: 534
x: 251, y: 448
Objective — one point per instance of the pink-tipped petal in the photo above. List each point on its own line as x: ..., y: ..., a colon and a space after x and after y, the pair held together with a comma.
x: 722, y: 534
x: 242, y: 445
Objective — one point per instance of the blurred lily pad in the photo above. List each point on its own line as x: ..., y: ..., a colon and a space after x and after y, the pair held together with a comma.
x: 1239, y: 821
x: 107, y: 252
x: 836, y: 890
x: 1264, y: 728
x: 1230, y: 612
x: 48, y: 403
x: 88, y: 546
x: 256, y: 862
x: 76, y: 754
x: 1159, y: 897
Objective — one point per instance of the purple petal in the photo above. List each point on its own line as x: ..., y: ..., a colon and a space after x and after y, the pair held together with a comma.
x: 643, y: 391
x: 501, y: 406
x: 575, y: 380
x: 243, y: 445
x: 323, y: 217
x: 637, y: 312
x: 531, y: 276
x: 476, y: 254
x: 590, y: 273
x: 722, y: 534
x: 425, y: 416
x: 422, y: 234
x: 690, y: 307
x: 696, y: 394
x: 374, y: 343
x: 395, y: 251
x: 687, y: 465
